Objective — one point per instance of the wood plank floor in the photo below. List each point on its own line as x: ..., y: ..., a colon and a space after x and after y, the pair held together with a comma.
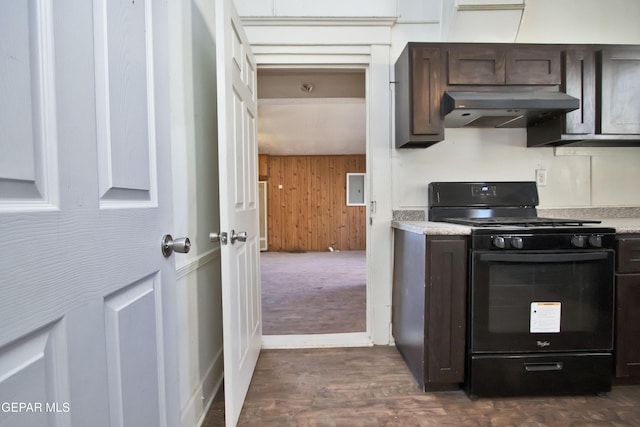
x: 372, y: 387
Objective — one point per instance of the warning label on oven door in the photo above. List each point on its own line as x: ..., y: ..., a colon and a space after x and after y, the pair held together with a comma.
x: 545, y: 317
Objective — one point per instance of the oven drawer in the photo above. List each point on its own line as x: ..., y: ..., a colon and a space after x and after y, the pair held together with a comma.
x: 558, y: 373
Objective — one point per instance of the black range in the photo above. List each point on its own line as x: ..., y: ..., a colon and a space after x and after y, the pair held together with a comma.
x: 540, y: 292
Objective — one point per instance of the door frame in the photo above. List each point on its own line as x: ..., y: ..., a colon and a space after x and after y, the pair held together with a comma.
x: 336, y: 47
x: 347, y: 339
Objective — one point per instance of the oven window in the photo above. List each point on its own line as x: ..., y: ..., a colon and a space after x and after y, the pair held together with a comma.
x: 514, y: 287
x: 579, y: 296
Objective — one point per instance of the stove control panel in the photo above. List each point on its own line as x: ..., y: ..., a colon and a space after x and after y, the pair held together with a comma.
x: 581, y: 240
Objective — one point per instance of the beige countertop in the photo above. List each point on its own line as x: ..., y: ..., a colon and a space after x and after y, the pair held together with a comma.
x: 622, y: 225
x: 431, y: 228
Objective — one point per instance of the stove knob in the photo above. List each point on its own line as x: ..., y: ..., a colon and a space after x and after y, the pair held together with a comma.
x: 516, y: 242
x: 595, y: 241
x: 579, y: 241
x: 499, y: 242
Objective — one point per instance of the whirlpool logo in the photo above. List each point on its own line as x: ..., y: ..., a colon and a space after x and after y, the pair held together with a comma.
x: 543, y: 344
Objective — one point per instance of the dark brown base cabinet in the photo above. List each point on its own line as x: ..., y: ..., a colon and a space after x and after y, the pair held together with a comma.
x: 429, y: 307
x: 627, y: 346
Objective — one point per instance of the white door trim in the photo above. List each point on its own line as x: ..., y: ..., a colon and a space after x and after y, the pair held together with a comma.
x: 274, y: 47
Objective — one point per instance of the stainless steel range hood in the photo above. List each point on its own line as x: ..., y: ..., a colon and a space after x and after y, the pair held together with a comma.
x: 504, y: 109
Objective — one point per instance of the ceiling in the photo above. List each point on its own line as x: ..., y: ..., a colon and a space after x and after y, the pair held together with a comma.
x: 311, y: 111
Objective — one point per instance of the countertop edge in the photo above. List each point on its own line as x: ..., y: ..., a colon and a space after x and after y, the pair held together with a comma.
x: 432, y: 228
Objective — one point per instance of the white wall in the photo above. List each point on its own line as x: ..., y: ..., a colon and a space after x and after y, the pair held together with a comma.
x: 196, y: 205
x: 580, y: 21
x: 577, y: 177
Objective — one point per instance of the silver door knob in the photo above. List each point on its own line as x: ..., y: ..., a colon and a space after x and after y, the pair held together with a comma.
x: 240, y: 236
x: 181, y: 245
x: 218, y: 237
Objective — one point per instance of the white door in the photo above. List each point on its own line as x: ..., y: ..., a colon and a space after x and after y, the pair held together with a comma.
x: 87, y: 315
x: 238, y: 158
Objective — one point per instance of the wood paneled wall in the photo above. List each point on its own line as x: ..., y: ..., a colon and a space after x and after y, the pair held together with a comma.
x: 310, y: 212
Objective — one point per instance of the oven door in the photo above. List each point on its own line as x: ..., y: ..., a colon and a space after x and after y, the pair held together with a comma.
x: 524, y: 301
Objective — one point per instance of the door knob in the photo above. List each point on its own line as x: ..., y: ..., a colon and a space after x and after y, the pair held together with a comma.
x: 181, y: 244
x: 218, y: 237
x: 240, y: 236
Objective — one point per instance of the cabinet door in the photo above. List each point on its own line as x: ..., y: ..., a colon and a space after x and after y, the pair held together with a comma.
x: 426, y: 91
x: 620, y: 90
x: 628, y: 253
x: 580, y: 82
x: 445, y: 302
x: 628, y: 325
x: 476, y: 65
x: 533, y: 65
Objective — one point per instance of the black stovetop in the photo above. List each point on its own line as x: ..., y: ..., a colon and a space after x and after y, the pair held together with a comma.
x: 503, y: 206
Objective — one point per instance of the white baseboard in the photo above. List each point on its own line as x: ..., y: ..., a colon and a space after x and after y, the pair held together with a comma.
x: 354, y: 339
x: 196, y: 408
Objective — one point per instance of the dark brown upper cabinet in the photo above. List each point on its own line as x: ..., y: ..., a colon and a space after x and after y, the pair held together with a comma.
x: 603, y: 77
x: 620, y: 90
x: 425, y: 70
x: 605, y: 80
x: 495, y: 65
x: 533, y: 65
x: 476, y: 65
x: 579, y: 66
x: 419, y: 122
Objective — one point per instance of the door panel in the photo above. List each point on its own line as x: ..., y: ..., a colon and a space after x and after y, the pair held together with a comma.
x: 130, y: 324
x: 27, y: 108
x: 85, y: 293
x: 238, y: 166
x: 28, y: 378
x: 125, y: 127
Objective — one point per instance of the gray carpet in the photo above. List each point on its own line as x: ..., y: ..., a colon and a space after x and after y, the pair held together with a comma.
x: 313, y: 292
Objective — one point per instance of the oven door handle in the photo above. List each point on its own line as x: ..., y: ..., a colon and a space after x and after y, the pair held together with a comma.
x: 552, y: 257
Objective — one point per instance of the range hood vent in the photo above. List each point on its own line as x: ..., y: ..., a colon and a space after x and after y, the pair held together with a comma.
x: 504, y: 109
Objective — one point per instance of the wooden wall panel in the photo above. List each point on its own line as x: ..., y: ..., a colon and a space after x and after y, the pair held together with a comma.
x: 309, y: 212
x: 263, y: 167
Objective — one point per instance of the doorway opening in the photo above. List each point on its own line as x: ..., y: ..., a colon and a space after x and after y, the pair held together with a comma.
x: 311, y: 141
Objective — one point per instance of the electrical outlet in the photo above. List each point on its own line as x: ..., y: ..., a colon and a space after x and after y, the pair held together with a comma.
x: 541, y: 177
